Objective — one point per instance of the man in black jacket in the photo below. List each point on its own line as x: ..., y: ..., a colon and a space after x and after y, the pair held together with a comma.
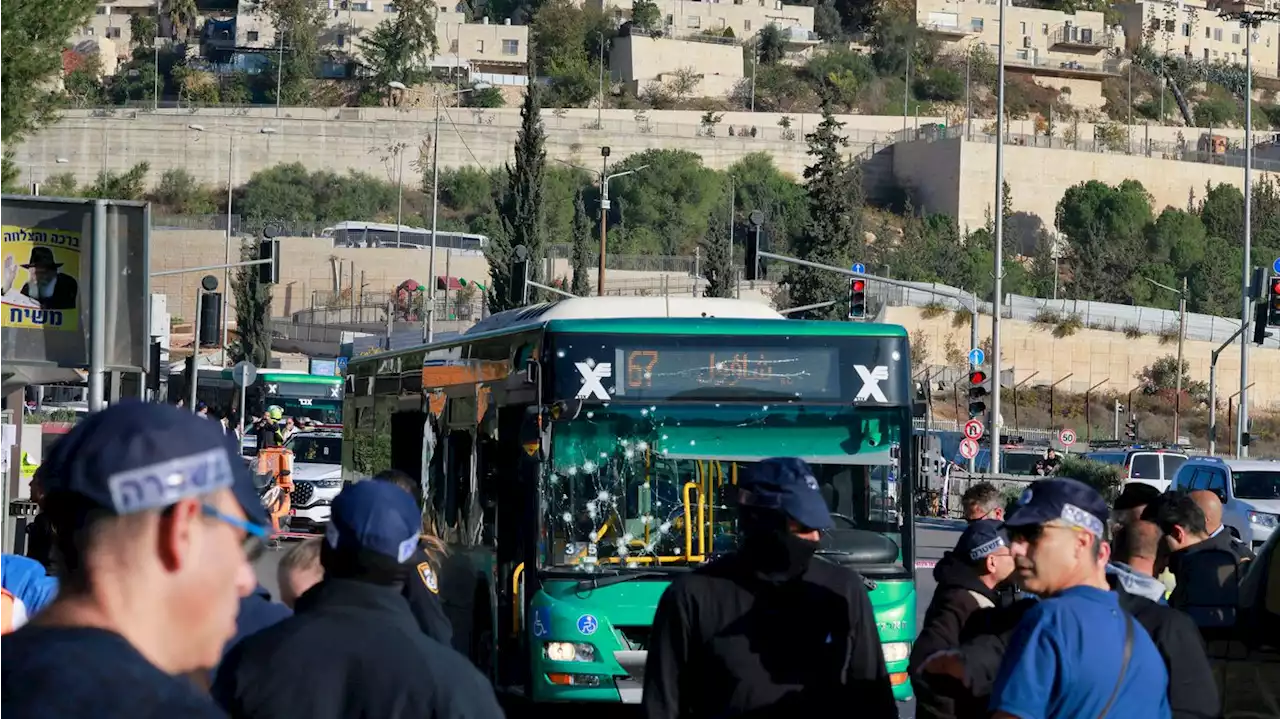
x: 372, y: 660
x: 769, y: 630
x: 1207, y: 574
x: 969, y: 578
x: 1219, y: 535
x: 422, y: 590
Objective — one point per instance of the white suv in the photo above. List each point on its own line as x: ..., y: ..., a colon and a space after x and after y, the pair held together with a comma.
x: 1249, y: 490
x: 317, y: 479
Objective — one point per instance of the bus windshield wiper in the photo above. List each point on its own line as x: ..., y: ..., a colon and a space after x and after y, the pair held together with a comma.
x: 612, y: 579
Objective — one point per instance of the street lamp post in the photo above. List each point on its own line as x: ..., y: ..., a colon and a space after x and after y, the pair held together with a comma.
x: 999, y: 251
x: 604, y: 214
x: 1182, y: 335
x: 429, y: 324
x: 226, y: 272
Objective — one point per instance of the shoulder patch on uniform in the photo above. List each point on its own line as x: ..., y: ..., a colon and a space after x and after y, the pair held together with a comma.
x: 429, y: 577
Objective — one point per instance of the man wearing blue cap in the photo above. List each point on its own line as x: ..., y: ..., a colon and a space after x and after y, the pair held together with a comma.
x: 969, y: 578
x: 155, y: 518
x: 1077, y: 653
x: 374, y: 661
x: 769, y: 628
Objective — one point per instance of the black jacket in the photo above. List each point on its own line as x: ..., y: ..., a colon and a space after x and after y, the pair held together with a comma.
x: 1208, y: 585
x: 1193, y: 693
x: 422, y: 590
x: 1225, y: 540
x: 729, y: 642
x: 351, y: 649
x: 958, y: 595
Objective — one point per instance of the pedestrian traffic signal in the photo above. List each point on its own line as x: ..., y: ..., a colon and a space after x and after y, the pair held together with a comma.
x: 519, y: 276
x: 857, y: 298
x: 1273, y: 303
x: 752, y: 256
x: 977, y: 393
x: 1260, y: 332
x: 269, y: 272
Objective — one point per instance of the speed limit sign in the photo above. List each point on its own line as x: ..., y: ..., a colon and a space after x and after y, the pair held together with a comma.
x: 968, y: 448
x: 1067, y: 437
x: 973, y: 429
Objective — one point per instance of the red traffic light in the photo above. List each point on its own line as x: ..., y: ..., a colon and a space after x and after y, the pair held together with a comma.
x: 977, y: 377
x: 1275, y: 286
x: 859, y: 285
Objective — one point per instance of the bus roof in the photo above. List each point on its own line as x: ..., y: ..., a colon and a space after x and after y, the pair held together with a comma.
x: 641, y: 315
x: 291, y: 375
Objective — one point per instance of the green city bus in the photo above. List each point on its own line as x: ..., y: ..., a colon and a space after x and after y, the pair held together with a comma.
x: 300, y: 394
x: 576, y: 458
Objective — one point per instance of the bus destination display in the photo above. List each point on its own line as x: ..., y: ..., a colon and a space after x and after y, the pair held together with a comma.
x: 728, y: 372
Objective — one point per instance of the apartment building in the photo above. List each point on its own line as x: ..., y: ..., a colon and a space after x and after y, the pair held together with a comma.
x: 636, y: 61
x: 109, y: 32
x: 683, y: 18
x: 492, y: 52
x: 1191, y: 30
x: 1072, y: 51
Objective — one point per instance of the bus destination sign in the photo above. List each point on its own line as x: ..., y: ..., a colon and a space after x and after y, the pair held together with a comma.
x: 725, y: 372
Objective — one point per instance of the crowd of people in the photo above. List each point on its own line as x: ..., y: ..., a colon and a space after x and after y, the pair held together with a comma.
x: 1055, y: 606
x: 1132, y: 605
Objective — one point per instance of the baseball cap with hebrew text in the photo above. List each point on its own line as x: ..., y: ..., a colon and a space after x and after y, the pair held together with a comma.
x: 138, y: 456
x: 981, y: 539
x: 1068, y: 500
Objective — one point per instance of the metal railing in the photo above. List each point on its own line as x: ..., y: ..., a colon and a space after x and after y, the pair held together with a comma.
x: 1081, y: 36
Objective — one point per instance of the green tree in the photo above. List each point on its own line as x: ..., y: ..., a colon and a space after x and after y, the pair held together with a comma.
x: 143, y: 29
x: 83, y: 85
x: 759, y: 185
x: 182, y: 15
x: 582, y: 247
x: 253, y: 311
x: 666, y: 205
x: 522, y: 211
x: 299, y: 25
x: 399, y: 49
x: 834, y: 231
x: 646, y: 16
x: 1104, y: 226
x: 770, y: 45
x: 129, y: 185
x: 718, y: 267
x: 31, y: 42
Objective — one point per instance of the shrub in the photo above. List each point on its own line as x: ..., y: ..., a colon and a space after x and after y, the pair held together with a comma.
x: 1133, y: 332
x: 1103, y: 477
x: 933, y: 310
x: 1068, y: 326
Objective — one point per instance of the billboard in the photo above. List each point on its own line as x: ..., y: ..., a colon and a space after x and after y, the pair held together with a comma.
x: 48, y: 252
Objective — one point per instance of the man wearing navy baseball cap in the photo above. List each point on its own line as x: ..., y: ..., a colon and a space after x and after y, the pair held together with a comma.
x: 376, y: 660
x: 154, y: 518
x: 768, y: 628
x: 1076, y: 653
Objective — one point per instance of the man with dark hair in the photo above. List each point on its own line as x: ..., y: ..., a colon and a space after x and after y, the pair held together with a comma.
x: 422, y: 590
x: 155, y: 522
x: 969, y: 578
x: 982, y: 501
x: 1207, y: 575
x: 375, y: 660
x: 1132, y: 500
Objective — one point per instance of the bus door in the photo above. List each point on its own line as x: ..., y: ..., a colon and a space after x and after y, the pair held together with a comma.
x: 510, y: 478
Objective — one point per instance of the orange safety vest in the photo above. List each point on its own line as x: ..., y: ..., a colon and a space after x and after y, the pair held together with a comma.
x: 8, y: 612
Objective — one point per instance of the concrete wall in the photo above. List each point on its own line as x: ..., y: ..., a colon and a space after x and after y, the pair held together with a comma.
x: 1093, y: 356
x: 693, y: 17
x: 1038, y: 178
x: 637, y: 60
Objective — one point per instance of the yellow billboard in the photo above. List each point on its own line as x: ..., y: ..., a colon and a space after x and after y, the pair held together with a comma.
x: 40, y: 284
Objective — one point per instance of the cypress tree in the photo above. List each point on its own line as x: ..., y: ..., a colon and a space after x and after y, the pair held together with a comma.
x: 581, y: 260
x: 522, y: 210
x: 834, y: 231
x: 719, y: 259
x: 253, y: 309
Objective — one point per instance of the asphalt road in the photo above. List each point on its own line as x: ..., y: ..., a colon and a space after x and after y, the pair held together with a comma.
x: 933, y: 538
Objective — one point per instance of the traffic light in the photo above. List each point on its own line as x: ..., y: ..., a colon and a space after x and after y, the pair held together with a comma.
x: 977, y: 393
x: 857, y: 298
x: 269, y: 273
x: 520, y: 276
x: 1260, y: 332
x: 752, y: 256
x: 1273, y: 302
x: 1131, y: 428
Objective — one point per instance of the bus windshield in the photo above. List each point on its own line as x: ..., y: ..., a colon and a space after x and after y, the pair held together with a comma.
x: 625, y: 483
x: 323, y: 411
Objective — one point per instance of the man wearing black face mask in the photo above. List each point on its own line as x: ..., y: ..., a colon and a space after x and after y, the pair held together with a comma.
x: 769, y: 630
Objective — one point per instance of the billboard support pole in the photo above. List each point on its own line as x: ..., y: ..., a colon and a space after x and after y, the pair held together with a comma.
x: 98, y: 309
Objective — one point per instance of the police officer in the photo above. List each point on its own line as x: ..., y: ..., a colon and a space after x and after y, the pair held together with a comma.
x: 155, y: 521
x: 769, y: 629
x: 422, y: 589
x: 374, y: 660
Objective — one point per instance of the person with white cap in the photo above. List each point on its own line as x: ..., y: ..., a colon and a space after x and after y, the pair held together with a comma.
x: 374, y: 660
x: 155, y: 522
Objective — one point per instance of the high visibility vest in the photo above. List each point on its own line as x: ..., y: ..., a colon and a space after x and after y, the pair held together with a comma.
x: 13, y: 613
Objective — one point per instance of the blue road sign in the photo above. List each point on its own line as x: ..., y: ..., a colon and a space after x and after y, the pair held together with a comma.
x: 587, y: 624
x: 541, y: 621
x: 1275, y: 266
x: 976, y: 356
x: 862, y: 269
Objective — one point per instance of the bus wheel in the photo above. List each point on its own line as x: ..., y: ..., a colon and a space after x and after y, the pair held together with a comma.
x: 482, y: 633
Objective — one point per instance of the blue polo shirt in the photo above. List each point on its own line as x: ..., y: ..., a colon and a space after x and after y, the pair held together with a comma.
x: 1064, y: 659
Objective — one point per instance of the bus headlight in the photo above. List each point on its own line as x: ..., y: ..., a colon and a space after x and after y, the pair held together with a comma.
x: 569, y: 652
x: 897, y: 651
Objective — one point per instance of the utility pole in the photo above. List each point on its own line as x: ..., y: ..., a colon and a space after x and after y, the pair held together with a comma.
x: 997, y: 292
x: 1182, y: 335
x: 604, y: 216
x: 600, y: 106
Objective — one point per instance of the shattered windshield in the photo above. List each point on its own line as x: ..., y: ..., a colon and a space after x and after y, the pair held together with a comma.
x: 653, y: 486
